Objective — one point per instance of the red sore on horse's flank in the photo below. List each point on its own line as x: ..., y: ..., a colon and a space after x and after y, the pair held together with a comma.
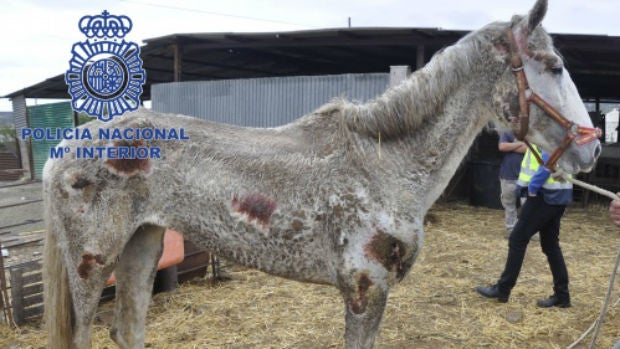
x: 256, y: 206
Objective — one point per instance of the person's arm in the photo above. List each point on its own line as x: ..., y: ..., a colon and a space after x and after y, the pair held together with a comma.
x: 539, y: 178
x: 522, y: 148
x: 507, y: 147
x: 614, y: 211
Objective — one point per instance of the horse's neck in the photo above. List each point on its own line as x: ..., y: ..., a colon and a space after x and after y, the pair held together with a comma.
x: 428, y: 123
x: 439, y: 148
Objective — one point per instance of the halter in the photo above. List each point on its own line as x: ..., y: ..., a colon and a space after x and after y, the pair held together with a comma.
x: 574, y: 133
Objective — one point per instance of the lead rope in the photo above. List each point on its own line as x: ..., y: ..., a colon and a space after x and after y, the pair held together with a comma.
x: 596, y: 325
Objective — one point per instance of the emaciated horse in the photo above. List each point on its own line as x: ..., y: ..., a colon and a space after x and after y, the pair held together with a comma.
x: 317, y: 200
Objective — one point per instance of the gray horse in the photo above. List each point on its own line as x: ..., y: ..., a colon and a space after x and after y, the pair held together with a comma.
x: 337, y: 197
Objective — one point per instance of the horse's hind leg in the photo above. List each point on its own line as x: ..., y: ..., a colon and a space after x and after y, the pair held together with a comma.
x: 134, y: 283
x: 364, y: 306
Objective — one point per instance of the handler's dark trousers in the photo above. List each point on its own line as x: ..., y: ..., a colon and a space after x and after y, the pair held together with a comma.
x: 536, y: 216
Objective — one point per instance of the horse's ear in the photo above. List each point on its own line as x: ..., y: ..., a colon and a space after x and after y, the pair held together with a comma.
x: 536, y: 15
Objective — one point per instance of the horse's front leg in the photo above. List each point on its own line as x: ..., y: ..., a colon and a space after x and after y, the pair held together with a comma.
x: 135, y: 274
x: 365, y: 302
x: 87, y: 284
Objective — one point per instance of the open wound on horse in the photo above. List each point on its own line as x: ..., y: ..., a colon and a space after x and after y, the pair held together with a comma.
x: 387, y: 250
x: 358, y: 306
x: 89, y: 262
x: 131, y: 166
x: 254, y: 208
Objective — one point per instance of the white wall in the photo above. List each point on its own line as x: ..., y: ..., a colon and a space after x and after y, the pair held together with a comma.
x: 611, y: 123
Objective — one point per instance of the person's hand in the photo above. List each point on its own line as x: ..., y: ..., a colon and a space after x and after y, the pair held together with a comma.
x: 614, y: 211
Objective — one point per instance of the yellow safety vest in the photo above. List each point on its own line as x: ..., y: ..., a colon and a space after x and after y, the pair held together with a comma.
x: 529, y: 166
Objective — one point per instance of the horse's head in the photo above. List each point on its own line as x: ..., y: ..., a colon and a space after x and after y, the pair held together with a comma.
x: 537, y: 96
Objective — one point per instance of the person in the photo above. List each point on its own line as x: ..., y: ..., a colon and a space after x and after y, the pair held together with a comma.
x: 508, y: 174
x: 546, y: 202
x: 614, y: 211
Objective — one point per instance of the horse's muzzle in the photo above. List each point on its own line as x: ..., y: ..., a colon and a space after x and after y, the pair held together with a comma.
x: 587, y: 156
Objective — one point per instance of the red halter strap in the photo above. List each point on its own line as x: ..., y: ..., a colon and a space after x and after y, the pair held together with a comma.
x: 574, y: 133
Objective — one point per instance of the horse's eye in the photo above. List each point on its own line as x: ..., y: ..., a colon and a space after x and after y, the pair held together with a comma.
x: 557, y: 70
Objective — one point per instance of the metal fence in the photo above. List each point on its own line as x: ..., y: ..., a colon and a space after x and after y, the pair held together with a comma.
x: 265, y: 102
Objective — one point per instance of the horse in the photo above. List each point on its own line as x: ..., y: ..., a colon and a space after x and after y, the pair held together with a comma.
x: 337, y: 197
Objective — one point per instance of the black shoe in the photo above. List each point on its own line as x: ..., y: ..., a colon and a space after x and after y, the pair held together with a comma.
x: 554, y: 301
x: 492, y: 292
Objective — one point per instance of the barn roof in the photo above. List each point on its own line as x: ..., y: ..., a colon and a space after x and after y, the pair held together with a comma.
x: 593, y: 60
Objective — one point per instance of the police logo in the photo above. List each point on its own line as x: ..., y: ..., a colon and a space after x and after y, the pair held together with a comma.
x: 105, y: 75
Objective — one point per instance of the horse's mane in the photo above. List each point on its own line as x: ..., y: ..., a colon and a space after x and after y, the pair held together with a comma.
x: 404, y: 107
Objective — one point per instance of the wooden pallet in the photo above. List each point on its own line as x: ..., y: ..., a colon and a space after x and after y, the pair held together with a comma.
x: 5, y: 304
x: 27, y: 286
x: 26, y: 291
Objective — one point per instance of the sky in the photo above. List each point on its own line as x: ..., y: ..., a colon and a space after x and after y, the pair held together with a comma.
x: 39, y: 34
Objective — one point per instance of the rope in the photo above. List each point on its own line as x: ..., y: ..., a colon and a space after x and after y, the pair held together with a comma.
x: 589, y: 329
x: 601, y: 317
x: 594, y: 188
x: 596, y: 325
x: 582, y: 336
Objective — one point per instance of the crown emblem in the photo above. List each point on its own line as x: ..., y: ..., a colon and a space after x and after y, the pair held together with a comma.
x: 105, y: 75
x: 105, y: 26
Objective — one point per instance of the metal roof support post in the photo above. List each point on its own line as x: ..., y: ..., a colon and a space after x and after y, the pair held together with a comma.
x: 399, y: 73
x: 178, y: 62
x: 419, y: 62
x: 21, y: 120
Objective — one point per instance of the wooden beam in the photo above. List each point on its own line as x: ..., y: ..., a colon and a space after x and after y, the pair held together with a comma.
x: 419, y: 62
x: 178, y: 62
x: 16, y: 296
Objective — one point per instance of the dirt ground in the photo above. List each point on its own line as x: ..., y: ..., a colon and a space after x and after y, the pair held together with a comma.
x: 21, y: 220
x: 434, y: 307
x: 10, y: 193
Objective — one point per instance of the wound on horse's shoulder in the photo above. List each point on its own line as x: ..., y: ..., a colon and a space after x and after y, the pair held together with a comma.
x: 129, y: 166
x: 387, y: 250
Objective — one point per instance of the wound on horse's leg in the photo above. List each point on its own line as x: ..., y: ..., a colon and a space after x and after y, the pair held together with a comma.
x: 92, y: 278
x: 89, y: 262
x: 364, y: 306
x: 135, y: 274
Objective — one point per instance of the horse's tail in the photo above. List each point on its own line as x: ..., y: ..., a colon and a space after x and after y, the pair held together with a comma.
x: 57, y: 299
